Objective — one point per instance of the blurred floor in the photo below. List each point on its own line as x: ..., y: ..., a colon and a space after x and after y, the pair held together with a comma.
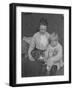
x: 28, y: 69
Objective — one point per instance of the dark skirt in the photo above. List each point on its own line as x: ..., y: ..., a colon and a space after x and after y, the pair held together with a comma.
x: 33, y: 68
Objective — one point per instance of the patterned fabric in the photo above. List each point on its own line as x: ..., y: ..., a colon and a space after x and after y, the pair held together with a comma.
x: 37, y: 40
x: 43, y: 40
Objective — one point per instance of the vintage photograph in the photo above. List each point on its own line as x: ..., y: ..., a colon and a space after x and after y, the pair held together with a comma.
x: 42, y: 44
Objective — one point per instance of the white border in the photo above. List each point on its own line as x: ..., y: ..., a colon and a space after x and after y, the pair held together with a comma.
x: 65, y: 77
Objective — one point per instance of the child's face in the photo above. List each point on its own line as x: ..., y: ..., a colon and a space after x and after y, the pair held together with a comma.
x: 54, y: 43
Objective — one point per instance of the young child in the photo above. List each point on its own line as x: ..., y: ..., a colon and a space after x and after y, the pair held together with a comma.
x: 53, y: 54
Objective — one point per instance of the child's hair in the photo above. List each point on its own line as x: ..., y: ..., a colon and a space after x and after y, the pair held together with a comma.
x: 54, y: 36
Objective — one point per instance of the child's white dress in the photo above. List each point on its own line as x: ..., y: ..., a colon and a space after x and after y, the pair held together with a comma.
x: 55, y: 56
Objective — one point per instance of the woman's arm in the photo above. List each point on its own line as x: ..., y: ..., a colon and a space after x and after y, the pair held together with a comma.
x: 31, y: 47
x: 27, y: 39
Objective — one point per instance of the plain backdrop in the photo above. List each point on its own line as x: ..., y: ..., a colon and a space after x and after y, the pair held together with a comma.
x: 4, y: 45
x: 31, y: 21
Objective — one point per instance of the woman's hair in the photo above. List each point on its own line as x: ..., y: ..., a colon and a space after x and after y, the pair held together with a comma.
x: 43, y: 21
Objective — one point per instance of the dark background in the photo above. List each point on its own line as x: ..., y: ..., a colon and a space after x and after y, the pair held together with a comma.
x: 30, y: 25
x: 31, y: 21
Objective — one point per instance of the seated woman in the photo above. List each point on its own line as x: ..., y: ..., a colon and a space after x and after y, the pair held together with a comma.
x: 37, y: 47
x: 53, y: 55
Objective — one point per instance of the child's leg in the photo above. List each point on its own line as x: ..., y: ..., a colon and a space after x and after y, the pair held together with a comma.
x: 53, y: 70
x: 48, y: 67
x: 59, y: 64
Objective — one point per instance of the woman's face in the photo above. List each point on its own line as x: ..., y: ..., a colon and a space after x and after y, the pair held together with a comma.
x: 43, y: 28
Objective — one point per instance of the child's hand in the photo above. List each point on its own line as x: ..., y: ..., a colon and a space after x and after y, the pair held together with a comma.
x: 49, y: 62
